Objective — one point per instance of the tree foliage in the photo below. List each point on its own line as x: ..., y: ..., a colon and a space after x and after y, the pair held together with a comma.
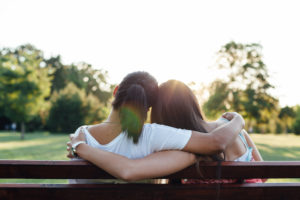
x: 71, y: 108
x: 83, y: 75
x: 28, y: 81
x: 244, y: 86
x: 296, y: 124
x: 287, y: 115
x: 24, y: 84
x: 217, y: 102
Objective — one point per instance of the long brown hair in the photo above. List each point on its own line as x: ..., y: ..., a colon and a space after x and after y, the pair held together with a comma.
x: 177, y: 106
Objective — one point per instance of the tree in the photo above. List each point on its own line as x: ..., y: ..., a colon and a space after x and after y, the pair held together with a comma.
x: 93, y: 81
x: 217, y: 103
x: 24, y: 83
x: 244, y: 87
x: 296, y: 124
x: 71, y: 108
x: 287, y: 115
x: 83, y: 75
x: 4, y: 121
x: 58, y: 72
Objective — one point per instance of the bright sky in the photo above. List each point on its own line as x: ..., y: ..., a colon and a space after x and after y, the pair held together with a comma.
x: 170, y: 39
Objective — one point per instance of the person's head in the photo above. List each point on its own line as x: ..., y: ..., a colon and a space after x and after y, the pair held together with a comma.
x: 134, y: 96
x: 177, y: 106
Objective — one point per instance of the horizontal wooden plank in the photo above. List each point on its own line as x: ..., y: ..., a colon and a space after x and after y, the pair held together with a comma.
x: 36, y: 169
x: 85, y: 170
x: 286, y: 191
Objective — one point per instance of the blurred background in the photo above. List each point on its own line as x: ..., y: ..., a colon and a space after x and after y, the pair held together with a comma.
x: 60, y: 61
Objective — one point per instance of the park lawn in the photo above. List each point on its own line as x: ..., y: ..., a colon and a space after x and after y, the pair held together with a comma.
x: 46, y: 146
x: 36, y: 146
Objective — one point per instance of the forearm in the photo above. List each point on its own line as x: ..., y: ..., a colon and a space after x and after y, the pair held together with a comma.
x: 154, y: 165
x: 114, y: 164
x: 225, y: 134
x: 217, y: 140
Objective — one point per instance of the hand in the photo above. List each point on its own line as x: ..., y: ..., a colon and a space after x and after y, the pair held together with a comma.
x: 79, y: 137
x: 73, y: 140
x: 69, y: 147
x: 230, y: 115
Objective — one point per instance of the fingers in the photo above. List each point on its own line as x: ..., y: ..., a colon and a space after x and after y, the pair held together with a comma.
x: 227, y: 115
x: 224, y: 115
x: 71, y: 136
x: 70, y: 155
x: 230, y: 115
x: 69, y: 146
x: 81, y: 132
x: 73, y: 139
x: 79, y: 135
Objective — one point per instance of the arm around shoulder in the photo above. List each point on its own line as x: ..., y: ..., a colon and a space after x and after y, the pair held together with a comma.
x: 158, y: 164
x: 155, y: 165
x: 217, y: 140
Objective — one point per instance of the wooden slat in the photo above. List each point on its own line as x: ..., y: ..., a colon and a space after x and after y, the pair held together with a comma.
x: 85, y: 170
x: 50, y: 170
x: 287, y: 191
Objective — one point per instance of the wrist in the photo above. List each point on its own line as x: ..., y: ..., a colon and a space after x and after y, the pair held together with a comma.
x: 81, y: 149
x: 76, y: 147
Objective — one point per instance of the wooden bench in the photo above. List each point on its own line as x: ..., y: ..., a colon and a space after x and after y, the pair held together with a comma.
x: 84, y: 170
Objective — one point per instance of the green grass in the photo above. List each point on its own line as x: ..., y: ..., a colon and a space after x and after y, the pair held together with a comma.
x: 36, y: 146
x: 285, y: 147
x: 46, y: 146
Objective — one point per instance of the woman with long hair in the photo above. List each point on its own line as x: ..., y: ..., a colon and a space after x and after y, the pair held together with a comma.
x: 178, y: 107
x: 115, y: 135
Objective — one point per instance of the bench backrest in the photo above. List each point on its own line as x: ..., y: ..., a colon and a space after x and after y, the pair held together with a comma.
x: 83, y: 169
x: 86, y: 170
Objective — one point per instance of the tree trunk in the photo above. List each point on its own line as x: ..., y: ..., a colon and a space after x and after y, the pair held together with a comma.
x: 22, y: 130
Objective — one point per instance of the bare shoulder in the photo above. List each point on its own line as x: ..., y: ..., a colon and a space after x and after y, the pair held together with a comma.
x: 104, y: 133
x: 95, y: 128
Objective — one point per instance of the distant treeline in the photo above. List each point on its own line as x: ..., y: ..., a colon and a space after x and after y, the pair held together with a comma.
x: 38, y: 93
x: 44, y: 94
x: 245, y: 88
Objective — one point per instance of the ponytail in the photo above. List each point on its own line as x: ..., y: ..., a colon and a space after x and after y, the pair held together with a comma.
x: 133, y: 111
x: 136, y: 94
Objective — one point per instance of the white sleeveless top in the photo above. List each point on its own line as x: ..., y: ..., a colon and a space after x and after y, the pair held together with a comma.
x: 154, y: 137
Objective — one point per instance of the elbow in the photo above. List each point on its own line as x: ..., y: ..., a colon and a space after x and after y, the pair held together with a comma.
x: 128, y: 176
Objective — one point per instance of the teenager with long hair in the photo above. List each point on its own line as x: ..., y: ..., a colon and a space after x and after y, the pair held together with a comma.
x: 99, y: 143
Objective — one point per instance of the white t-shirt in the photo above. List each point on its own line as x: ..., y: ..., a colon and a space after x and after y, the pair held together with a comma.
x: 154, y: 137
